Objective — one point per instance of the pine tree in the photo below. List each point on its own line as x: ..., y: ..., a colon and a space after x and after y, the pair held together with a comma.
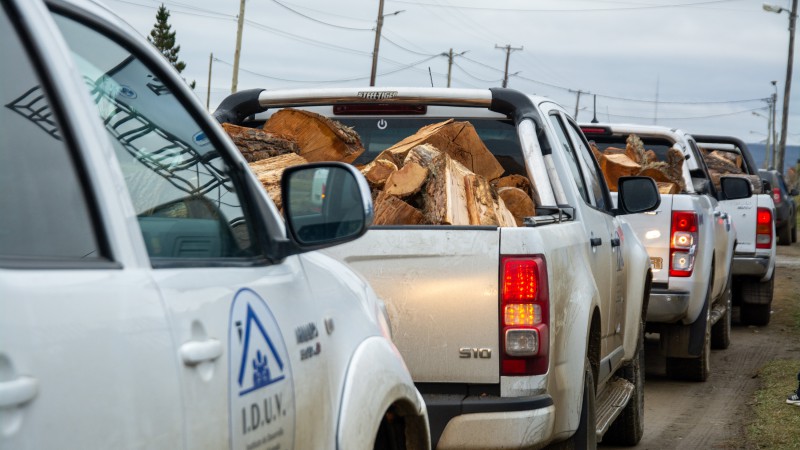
x: 163, y: 38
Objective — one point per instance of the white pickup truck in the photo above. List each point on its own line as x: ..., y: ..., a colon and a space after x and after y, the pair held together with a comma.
x: 491, y: 377
x: 754, y: 257
x: 151, y: 296
x: 690, y: 239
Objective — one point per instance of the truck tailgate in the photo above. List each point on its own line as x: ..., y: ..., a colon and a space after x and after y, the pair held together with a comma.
x: 653, y: 230
x: 440, y: 288
x: 743, y: 215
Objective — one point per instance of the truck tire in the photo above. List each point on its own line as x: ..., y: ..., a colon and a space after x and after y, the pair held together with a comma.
x: 694, y: 369
x: 585, y: 436
x: 721, y: 331
x: 794, y: 234
x: 628, y: 427
x: 757, y: 301
x: 785, y: 235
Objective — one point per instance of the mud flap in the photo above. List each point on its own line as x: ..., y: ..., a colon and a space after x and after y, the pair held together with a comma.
x: 685, y: 341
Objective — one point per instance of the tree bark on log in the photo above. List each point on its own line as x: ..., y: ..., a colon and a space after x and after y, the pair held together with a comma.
x: 256, y: 144
x: 318, y: 137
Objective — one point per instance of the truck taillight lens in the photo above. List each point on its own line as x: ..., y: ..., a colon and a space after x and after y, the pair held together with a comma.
x: 776, y: 195
x: 764, y: 228
x: 524, y: 315
x: 683, y: 242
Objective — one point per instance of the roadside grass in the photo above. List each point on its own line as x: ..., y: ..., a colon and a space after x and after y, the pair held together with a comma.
x: 777, y: 424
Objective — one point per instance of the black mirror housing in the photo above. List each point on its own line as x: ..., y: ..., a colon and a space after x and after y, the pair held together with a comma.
x: 734, y: 188
x: 637, y: 195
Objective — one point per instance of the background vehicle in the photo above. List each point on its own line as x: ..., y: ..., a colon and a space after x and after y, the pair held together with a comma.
x: 490, y: 379
x: 753, y: 268
x: 152, y: 296
x: 690, y: 241
x: 785, y: 207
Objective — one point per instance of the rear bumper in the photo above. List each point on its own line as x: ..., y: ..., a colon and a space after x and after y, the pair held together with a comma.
x: 484, y: 422
x: 667, y: 306
x: 750, y: 265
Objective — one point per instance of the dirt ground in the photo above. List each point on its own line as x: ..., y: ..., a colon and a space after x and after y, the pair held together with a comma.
x: 715, y: 414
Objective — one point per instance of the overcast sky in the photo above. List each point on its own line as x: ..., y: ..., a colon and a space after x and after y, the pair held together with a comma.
x: 709, y: 64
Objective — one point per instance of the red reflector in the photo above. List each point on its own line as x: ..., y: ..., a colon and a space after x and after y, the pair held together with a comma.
x: 595, y: 130
x: 378, y: 109
x: 684, y: 221
x: 776, y: 195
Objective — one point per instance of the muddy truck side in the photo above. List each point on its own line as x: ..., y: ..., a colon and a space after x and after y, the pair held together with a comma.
x: 690, y: 239
x: 516, y: 336
x: 753, y: 268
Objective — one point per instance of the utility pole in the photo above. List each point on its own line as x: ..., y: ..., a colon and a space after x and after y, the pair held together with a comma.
x: 785, y: 118
x: 508, y: 48
x: 450, y: 57
x: 377, y: 44
x: 208, y: 91
x: 378, y: 28
x: 237, y: 53
x: 577, y: 102
x: 594, y: 119
x: 449, y: 66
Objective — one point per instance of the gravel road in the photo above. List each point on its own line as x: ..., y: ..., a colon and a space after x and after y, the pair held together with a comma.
x: 714, y: 414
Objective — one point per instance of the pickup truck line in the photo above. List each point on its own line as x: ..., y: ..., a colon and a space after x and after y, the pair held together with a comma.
x: 754, y: 257
x: 690, y: 240
x: 574, y: 372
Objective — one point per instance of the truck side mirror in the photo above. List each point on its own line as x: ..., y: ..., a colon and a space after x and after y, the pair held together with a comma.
x: 637, y: 195
x: 325, y: 204
x: 734, y: 188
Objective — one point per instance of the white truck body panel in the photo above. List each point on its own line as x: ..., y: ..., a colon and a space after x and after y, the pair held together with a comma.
x: 127, y: 351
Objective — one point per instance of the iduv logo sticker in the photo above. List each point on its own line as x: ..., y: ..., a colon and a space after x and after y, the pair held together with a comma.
x: 261, y: 391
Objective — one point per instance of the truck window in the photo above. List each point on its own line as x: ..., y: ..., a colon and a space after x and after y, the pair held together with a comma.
x: 186, y: 202
x: 46, y: 216
x: 593, y: 174
x: 572, y: 159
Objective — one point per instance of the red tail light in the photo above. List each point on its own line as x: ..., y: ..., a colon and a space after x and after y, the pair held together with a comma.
x: 683, y: 242
x: 776, y: 195
x: 524, y: 315
x: 764, y: 228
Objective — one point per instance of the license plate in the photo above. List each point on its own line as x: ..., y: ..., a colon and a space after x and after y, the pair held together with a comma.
x: 655, y: 263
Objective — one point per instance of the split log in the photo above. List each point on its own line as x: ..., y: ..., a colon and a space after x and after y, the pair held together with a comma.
x: 515, y: 181
x: 406, y: 181
x: 390, y: 210
x: 445, y: 193
x: 378, y: 171
x: 618, y: 165
x: 518, y: 202
x: 484, y: 206
x: 668, y: 187
x: 256, y: 144
x: 270, y: 170
x: 613, y: 151
x: 718, y: 162
x: 319, y: 138
x: 422, y: 155
x: 674, y: 170
x: 658, y: 175
x: 457, y: 139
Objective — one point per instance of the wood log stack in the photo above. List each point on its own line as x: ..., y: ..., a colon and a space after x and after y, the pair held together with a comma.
x: 634, y: 159
x: 728, y: 164
x: 442, y: 175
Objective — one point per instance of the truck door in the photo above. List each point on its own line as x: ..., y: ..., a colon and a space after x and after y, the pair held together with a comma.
x: 85, y: 346
x: 605, y: 257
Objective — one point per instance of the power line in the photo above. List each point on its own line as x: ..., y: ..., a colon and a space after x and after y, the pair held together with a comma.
x: 317, y: 20
x: 575, y: 10
x: 709, y: 116
x: 383, y: 36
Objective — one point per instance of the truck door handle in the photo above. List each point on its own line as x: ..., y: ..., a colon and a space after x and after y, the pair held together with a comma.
x: 615, y: 242
x: 196, y: 352
x: 18, y: 391
x: 595, y: 242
